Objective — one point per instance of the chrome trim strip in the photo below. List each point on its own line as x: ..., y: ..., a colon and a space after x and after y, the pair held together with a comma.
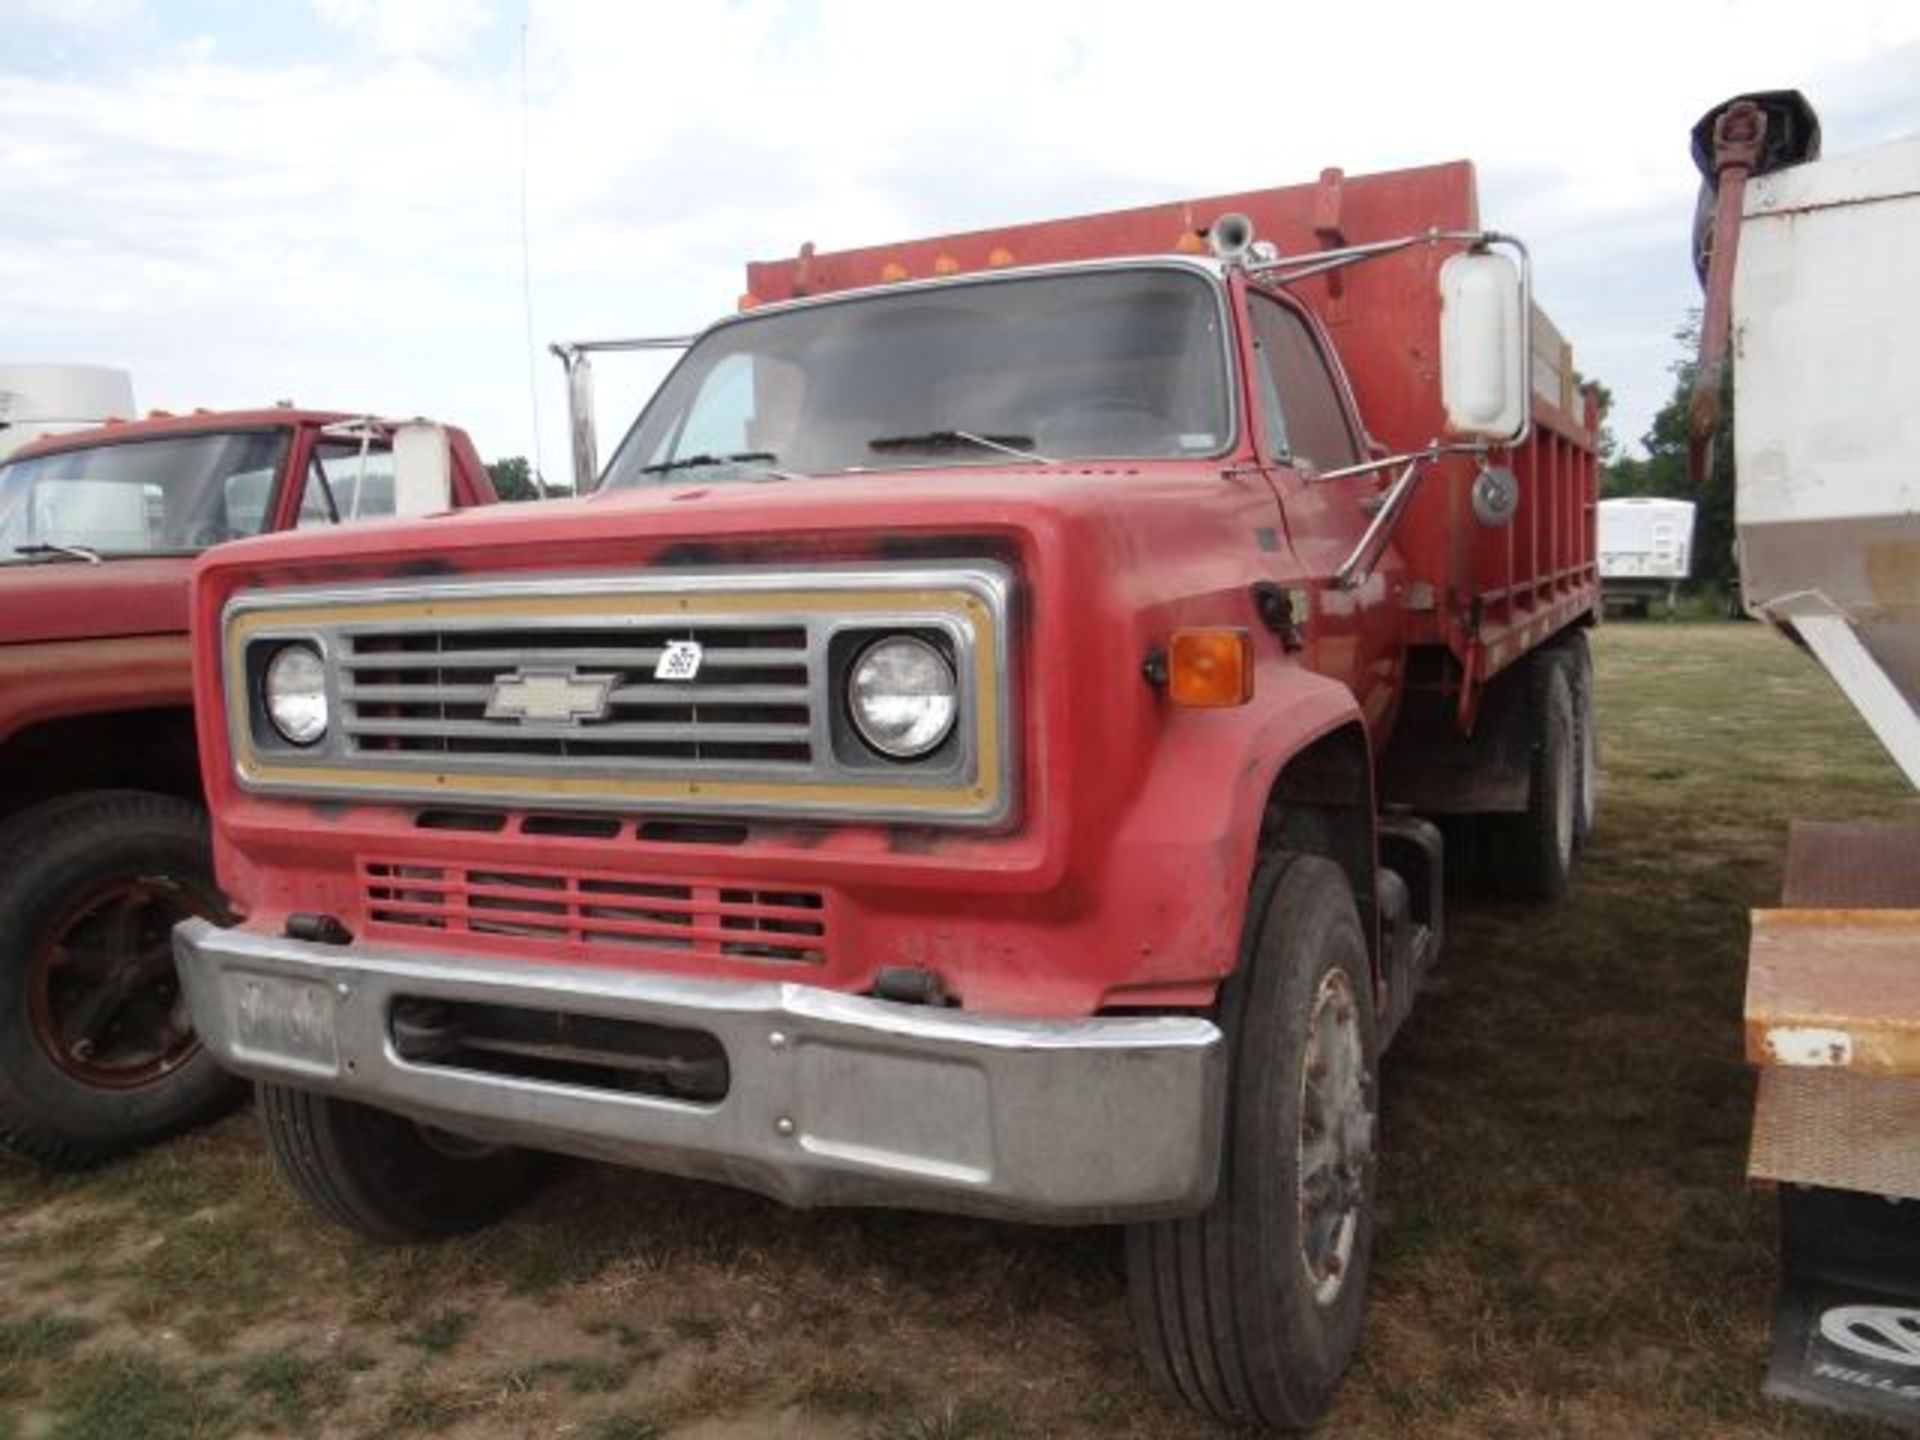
x: 825, y: 601
x: 834, y: 1099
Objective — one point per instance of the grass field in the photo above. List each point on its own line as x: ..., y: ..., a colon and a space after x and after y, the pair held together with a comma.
x: 1568, y: 1247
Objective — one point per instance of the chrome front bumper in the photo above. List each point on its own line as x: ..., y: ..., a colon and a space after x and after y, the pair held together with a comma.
x: 833, y: 1099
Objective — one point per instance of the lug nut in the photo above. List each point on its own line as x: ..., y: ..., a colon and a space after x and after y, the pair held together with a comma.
x: 784, y: 1125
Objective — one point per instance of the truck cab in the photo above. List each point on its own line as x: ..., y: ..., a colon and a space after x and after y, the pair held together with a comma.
x: 102, y: 836
x: 946, y: 763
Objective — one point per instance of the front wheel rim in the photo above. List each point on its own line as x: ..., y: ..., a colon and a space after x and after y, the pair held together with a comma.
x: 1336, y: 1139
x: 104, y: 1002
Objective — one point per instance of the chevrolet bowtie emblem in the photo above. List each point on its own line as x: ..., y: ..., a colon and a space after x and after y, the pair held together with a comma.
x: 549, y: 697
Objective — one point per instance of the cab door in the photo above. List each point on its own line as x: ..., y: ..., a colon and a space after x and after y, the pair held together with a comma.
x: 1308, y: 435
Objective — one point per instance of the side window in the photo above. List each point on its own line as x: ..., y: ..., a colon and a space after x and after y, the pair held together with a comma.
x: 1294, y: 379
x: 344, y: 484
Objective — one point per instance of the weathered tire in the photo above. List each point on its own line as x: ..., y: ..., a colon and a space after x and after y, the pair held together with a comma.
x: 1247, y: 1311
x: 97, y: 1053
x: 1577, y: 651
x: 1533, y: 851
x: 387, y: 1177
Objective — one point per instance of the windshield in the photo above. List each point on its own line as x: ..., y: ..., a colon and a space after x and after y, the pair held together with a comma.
x: 1126, y: 363
x: 140, y: 496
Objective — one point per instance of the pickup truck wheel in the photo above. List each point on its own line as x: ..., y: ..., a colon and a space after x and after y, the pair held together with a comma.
x: 1250, y: 1311
x: 1533, y: 851
x: 97, y: 1051
x: 387, y: 1177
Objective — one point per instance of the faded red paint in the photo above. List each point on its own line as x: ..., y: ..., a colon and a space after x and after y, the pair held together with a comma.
x: 77, y: 638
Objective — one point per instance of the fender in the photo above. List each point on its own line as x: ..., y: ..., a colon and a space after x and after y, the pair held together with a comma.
x: 1184, y: 857
x: 86, y: 677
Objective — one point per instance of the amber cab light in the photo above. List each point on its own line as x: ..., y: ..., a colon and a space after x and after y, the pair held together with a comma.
x: 1209, y: 669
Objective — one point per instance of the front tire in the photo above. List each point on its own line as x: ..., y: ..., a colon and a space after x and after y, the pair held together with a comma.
x: 1250, y: 1311
x: 97, y: 1050
x: 385, y: 1176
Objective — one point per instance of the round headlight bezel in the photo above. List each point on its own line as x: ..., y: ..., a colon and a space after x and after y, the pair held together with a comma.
x: 893, y: 746
x: 273, y: 694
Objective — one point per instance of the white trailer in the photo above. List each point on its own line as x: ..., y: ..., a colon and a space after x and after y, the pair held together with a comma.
x: 1646, y: 551
x: 1824, y: 285
x: 38, y: 400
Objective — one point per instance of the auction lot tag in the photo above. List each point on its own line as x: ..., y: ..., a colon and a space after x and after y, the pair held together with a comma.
x: 680, y: 661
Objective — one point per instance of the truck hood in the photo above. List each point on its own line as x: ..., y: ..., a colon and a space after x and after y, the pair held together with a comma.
x: 826, y: 518
x: 42, y: 601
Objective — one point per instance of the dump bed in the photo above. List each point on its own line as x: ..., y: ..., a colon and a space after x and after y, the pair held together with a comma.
x: 1488, y: 594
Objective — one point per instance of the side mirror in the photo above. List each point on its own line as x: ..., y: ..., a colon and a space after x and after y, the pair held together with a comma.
x: 1485, y: 365
x: 422, y: 469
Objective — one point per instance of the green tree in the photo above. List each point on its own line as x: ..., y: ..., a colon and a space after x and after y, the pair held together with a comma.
x: 512, y: 479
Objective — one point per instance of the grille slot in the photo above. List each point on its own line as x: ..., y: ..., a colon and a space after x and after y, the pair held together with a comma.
x: 425, y: 691
x: 587, y: 912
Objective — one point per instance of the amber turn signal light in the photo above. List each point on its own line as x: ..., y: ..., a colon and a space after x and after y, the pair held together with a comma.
x: 1209, y: 669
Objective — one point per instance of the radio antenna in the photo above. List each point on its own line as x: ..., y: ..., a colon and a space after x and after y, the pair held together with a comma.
x: 526, y: 265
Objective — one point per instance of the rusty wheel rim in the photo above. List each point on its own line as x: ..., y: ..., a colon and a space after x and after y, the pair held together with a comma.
x: 103, y: 999
x: 1336, y: 1138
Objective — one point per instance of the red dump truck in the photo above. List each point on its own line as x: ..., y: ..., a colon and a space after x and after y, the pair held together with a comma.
x: 102, y: 837
x: 977, y: 750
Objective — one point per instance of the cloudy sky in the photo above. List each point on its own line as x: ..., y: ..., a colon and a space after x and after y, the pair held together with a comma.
x: 243, y: 200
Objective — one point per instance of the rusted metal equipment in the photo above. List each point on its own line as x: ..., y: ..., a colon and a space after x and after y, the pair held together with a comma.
x: 1747, y: 136
x: 1814, y: 270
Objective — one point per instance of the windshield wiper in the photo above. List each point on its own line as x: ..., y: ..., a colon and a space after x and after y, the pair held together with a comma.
x: 1018, y: 446
x: 762, y: 458
x: 71, y: 552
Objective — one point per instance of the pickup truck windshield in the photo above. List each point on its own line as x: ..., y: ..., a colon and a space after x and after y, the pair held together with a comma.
x: 172, y: 494
x: 1126, y: 363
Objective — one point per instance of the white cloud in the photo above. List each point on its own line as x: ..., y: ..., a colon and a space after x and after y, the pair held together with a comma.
x: 344, y: 227
x: 432, y: 29
x: 77, y: 14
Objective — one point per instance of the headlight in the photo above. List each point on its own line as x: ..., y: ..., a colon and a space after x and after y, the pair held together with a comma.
x: 903, y: 697
x: 296, y: 694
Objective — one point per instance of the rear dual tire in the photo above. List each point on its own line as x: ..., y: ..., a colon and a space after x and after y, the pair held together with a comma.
x: 1533, y: 849
x: 1576, y: 653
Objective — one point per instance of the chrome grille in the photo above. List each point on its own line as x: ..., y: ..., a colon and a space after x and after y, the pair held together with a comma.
x: 427, y: 690
x: 546, y: 692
